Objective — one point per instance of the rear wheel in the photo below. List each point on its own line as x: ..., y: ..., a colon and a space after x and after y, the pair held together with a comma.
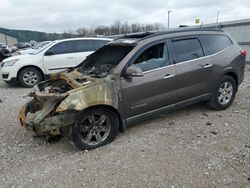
x: 224, y: 93
x: 29, y: 77
x: 95, y: 128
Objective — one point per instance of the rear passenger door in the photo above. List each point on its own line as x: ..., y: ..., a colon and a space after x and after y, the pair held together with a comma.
x: 83, y: 48
x: 194, y: 70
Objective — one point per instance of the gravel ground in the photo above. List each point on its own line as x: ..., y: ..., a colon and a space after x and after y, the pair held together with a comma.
x: 191, y: 147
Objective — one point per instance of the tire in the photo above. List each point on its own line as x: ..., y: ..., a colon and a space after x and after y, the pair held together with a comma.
x: 28, y: 77
x: 222, y: 98
x: 96, y: 127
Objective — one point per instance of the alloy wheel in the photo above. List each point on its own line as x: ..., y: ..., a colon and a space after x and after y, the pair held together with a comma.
x: 94, y: 129
x: 225, y: 93
x: 30, y: 78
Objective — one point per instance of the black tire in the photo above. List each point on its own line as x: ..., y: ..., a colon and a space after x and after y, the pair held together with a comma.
x: 81, y: 131
x: 214, y: 101
x: 35, y: 77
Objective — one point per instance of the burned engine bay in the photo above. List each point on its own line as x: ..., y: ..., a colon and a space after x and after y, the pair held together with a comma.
x: 97, y: 71
x: 57, y: 103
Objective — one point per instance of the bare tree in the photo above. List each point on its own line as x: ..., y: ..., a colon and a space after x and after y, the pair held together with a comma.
x: 116, y: 28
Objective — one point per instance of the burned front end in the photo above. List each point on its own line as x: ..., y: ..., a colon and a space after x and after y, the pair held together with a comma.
x: 57, y: 103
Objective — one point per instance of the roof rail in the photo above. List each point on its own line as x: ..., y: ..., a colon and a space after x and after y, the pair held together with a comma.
x: 144, y: 35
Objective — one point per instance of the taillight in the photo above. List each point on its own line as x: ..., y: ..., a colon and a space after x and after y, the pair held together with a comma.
x: 243, y: 52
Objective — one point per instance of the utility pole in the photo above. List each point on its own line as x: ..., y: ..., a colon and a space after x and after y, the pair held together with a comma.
x: 217, y: 18
x: 169, y: 11
x: 6, y: 40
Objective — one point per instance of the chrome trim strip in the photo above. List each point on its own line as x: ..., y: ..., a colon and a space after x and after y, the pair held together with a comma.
x: 158, y: 69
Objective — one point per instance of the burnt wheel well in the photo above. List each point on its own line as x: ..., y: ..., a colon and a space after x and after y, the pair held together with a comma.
x: 30, y: 66
x: 121, y: 127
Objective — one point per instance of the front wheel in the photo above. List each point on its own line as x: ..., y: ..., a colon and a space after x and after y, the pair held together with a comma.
x: 29, y: 77
x: 224, y: 93
x: 96, y: 127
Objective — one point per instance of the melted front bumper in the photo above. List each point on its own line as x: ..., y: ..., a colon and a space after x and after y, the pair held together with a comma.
x: 42, y: 118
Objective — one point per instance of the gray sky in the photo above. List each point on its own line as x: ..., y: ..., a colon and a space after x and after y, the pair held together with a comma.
x: 62, y: 15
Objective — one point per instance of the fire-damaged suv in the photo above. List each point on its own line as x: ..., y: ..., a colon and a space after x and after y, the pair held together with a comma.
x: 132, y: 78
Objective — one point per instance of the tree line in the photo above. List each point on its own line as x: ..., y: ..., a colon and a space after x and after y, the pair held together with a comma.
x: 116, y: 28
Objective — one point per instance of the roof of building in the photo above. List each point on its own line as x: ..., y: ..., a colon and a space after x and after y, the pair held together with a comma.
x: 229, y: 23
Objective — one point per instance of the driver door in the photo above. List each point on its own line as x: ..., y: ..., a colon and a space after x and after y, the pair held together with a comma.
x: 59, y: 57
x: 156, y: 88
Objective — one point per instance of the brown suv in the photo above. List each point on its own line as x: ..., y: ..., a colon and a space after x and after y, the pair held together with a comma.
x: 132, y: 78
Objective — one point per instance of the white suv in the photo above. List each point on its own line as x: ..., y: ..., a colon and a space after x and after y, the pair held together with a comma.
x: 55, y: 57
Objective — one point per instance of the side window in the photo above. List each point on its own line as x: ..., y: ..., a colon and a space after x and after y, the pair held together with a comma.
x: 215, y: 43
x: 62, y: 48
x: 187, y: 49
x: 84, y: 45
x: 99, y: 43
x: 152, y: 58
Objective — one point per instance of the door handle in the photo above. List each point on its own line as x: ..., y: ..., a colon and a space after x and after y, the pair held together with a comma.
x: 207, y: 66
x: 70, y: 57
x: 168, y: 76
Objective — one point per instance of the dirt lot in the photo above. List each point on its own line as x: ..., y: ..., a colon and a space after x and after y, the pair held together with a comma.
x: 192, y: 147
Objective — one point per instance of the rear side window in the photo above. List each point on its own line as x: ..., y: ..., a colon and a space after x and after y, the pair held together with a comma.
x: 84, y: 45
x: 215, y: 43
x: 99, y: 43
x: 187, y: 49
x: 62, y: 48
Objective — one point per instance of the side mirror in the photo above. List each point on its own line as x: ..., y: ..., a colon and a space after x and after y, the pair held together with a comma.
x: 134, y: 71
x: 48, y: 53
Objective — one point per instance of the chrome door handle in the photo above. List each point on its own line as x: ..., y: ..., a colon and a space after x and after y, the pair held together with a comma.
x: 207, y: 65
x: 70, y: 57
x: 168, y: 76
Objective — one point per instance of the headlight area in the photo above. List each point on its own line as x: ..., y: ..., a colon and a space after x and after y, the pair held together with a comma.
x: 39, y: 115
x: 9, y: 63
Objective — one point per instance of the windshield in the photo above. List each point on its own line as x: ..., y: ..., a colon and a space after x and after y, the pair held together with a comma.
x: 37, y: 46
x: 42, y: 48
x: 101, y: 62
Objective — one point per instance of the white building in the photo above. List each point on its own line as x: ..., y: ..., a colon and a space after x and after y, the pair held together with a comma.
x: 7, y: 40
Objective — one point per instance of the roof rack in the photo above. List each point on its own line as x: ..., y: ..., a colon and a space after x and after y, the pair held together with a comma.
x: 137, y: 35
x: 144, y: 35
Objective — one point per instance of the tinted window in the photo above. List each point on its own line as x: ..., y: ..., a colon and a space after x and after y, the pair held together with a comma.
x: 152, y: 58
x: 215, y: 43
x: 62, y: 48
x: 99, y: 43
x: 187, y: 49
x: 84, y: 45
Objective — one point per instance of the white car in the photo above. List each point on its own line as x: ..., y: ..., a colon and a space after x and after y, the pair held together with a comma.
x: 55, y: 57
x: 33, y: 50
